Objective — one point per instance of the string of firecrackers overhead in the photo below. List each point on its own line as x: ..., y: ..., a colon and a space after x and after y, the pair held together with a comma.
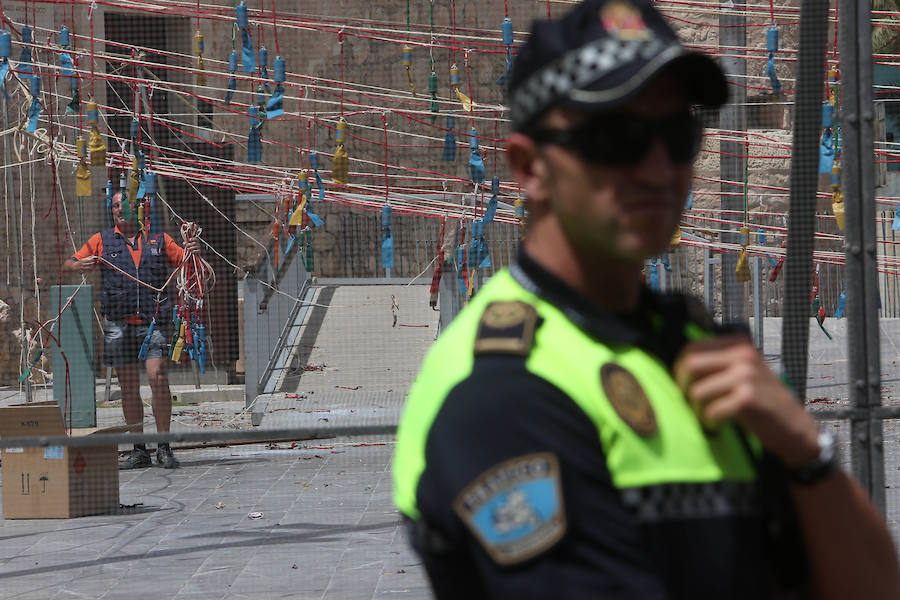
x: 886, y: 264
x: 505, y: 33
x: 362, y: 196
x: 258, y: 182
x: 486, y: 43
x: 173, y: 174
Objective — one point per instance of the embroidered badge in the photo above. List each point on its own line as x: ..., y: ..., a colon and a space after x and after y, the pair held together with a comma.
x: 628, y: 398
x: 515, y: 509
x: 624, y: 21
x: 506, y: 328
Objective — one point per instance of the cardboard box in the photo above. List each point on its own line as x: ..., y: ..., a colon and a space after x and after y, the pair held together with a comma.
x: 55, y: 482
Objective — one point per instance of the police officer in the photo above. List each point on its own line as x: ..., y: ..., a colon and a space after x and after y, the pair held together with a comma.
x: 128, y: 307
x: 575, y: 435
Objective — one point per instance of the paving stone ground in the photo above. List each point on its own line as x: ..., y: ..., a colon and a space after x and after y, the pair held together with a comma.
x: 327, y: 527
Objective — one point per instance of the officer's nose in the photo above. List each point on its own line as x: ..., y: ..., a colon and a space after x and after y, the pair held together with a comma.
x: 656, y: 166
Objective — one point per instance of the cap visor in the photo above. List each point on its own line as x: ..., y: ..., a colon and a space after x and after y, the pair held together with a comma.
x: 701, y: 76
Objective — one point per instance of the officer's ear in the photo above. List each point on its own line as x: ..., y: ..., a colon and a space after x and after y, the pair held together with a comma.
x: 528, y: 166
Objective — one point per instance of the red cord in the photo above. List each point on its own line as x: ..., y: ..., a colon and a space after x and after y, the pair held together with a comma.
x: 91, y: 19
x: 496, y: 152
x: 134, y: 89
x: 469, y: 84
x: 260, y: 33
x: 59, y: 243
x: 150, y: 128
x: 453, y: 33
x: 386, y: 180
x: 341, y: 44
x: 836, y: 17
x: 76, y: 60
x: 300, y: 137
x: 275, y: 28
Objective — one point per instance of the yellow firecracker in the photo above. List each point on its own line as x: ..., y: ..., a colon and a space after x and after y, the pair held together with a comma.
x: 198, y: 49
x: 837, y: 197
x: 742, y: 270
x: 83, y: 180
x: 340, y: 172
x: 676, y: 237
x: 454, y: 81
x: 96, y: 147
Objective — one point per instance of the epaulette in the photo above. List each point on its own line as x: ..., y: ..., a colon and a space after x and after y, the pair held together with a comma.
x: 506, y: 328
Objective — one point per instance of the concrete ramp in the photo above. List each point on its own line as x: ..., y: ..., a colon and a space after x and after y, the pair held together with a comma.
x: 360, y: 348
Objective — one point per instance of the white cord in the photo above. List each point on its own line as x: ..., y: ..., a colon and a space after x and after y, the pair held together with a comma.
x: 193, y: 286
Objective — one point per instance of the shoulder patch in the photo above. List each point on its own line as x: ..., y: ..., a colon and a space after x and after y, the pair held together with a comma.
x: 628, y: 399
x: 515, y: 509
x: 506, y: 328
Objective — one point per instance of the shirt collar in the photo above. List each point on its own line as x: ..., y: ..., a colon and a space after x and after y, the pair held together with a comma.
x: 118, y: 232
x: 656, y: 325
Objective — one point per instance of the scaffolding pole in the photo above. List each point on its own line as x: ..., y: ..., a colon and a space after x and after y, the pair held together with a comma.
x: 858, y: 174
x: 17, y: 255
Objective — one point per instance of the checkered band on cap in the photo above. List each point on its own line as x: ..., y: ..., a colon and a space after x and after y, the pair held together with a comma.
x: 567, y: 77
x: 676, y: 501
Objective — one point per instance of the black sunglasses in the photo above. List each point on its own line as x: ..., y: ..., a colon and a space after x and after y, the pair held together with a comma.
x: 618, y: 139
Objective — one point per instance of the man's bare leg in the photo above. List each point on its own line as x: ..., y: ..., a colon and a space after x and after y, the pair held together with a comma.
x: 133, y: 410
x: 162, y: 407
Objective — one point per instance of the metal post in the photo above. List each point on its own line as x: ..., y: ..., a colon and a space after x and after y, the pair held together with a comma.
x: 17, y: 237
x: 709, y: 285
x: 252, y: 350
x: 857, y: 123
x: 75, y: 385
x: 758, y: 301
x: 660, y: 274
x: 804, y: 184
x: 732, y: 117
x: 448, y: 294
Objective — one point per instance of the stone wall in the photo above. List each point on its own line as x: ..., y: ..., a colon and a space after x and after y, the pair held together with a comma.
x: 55, y: 223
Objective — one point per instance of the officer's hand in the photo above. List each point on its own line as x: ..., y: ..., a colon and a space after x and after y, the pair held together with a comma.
x: 84, y: 265
x: 726, y: 379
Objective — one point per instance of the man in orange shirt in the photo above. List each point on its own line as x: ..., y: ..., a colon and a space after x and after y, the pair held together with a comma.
x: 129, y: 307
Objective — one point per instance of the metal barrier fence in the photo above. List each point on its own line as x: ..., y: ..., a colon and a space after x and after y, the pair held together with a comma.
x: 691, y: 269
x: 696, y: 269
x: 271, y: 311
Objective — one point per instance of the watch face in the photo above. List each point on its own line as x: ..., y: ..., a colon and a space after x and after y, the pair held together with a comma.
x: 827, y: 448
x: 821, y: 466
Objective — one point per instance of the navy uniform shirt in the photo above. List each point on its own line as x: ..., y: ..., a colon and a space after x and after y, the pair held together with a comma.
x: 502, y: 412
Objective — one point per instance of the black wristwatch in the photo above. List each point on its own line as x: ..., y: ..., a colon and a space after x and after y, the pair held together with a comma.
x: 821, y: 466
